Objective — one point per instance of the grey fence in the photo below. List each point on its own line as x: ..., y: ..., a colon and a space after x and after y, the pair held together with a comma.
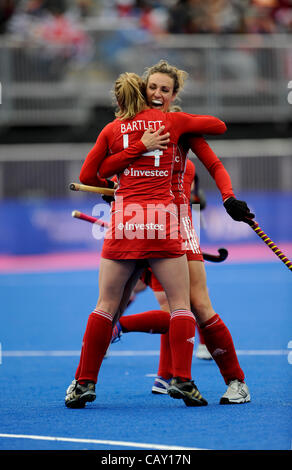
x: 46, y: 170
x: 241, y: 78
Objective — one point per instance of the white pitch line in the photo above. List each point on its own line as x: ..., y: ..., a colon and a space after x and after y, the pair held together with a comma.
x: 97, y: 441
x: 263, y: 352
x: 129, y: 353
x: 40, y: 353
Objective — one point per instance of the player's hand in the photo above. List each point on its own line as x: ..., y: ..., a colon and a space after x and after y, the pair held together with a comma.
x: 155, y: 140
x: 111, y: 184
x: 108, y: 199
x: 238, y: 210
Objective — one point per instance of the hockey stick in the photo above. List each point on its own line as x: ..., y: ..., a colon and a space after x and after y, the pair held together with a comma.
x: 200, y: 199
x: 223, y: 253
x: 88, y: 218
x: 255, y: 226
x: 91, y: 189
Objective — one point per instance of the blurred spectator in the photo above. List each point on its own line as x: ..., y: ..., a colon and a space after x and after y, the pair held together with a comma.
x: 157, y: 16
x: 282, y: 15
x: 46, y: 23
x: 64, y: 36
x: 7, y: 8
x: 208, y: 16
x: 184, y: 17
x: 27, y: 14
x: 230, y: 16
x: 153, y: 16
x: 84, y: 7
x: 259, y: 19
x: 125, y: 7
x: 35, y: 8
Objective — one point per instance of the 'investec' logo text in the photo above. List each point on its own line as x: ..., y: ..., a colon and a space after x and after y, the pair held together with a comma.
x: 133, y: 172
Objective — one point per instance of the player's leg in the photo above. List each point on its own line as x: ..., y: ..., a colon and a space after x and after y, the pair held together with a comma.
x: 151, y: 321
x: 164, y: 373
x: 139, y: 287
x: 193, y: 253
x: 131, y: 287
x: 173, y: 275
x: 113, y: 277
x: 216, y: 335
x: 202, y: 350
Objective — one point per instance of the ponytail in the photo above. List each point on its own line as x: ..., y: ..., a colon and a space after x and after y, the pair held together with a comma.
x: 129, y: 92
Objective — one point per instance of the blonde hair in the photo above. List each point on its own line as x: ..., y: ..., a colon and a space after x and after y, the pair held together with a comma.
x: 179, y: 76
x: 129, y: 91
x: 175, y: 109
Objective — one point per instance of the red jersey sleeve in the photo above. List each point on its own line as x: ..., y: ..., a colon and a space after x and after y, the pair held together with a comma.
x: 189, y: 176
x: 196, y: 124
x: 215, y: 167
x: 115, y: 164
x: 89, y: 170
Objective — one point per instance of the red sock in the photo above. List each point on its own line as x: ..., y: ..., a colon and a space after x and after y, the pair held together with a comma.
x: 153, y: 321
x: 165, y: 364
x: 220, y: 345
x: 181, y: 336
x: 201, y: 337
x: 77, y: 373
x: 96, y: 340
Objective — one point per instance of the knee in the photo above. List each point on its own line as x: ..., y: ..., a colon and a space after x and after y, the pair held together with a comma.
x: 202, y: 306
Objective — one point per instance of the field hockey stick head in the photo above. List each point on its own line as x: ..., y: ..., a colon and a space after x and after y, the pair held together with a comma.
x: 223, y: 253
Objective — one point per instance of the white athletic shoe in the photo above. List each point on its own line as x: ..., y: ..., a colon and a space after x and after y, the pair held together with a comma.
x: 237, y: 392
x: 81, y: 395
x: 71, y: 387
x: 203, y: 353
x: 160, y: 385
